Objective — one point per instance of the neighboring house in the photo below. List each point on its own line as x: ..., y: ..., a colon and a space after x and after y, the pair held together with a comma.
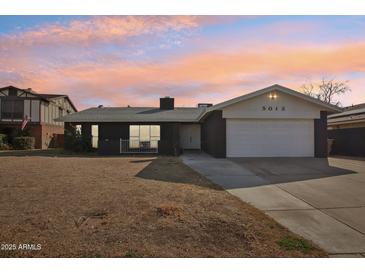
x: 353, y: 107
x: 41, y: 109
x: 347, y: 129
x: 272, y: 122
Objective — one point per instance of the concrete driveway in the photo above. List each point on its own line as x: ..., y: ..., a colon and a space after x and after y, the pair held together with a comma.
x: 319, y: 199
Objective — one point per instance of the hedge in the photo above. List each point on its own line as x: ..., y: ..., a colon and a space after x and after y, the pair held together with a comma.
x: 23, y: 142
x: 3, y: 140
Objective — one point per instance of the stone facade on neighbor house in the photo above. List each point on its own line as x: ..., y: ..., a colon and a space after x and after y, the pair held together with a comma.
x: 272, y: 122
x: 40, y: 109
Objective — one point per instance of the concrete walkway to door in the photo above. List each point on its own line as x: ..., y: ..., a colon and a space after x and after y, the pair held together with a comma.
x: 323, y: 201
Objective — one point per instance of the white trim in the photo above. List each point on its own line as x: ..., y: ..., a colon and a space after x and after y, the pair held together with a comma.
x: 345, y: 113
x: 347, y: 120
x: 270, y: 89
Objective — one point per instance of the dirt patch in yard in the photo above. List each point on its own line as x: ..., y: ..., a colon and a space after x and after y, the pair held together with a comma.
x: 129, y: 207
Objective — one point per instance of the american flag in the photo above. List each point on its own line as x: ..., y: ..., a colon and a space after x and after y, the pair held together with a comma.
x: 25, y: 122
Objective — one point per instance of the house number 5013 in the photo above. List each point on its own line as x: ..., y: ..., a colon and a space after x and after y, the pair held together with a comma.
x: 271, y: 108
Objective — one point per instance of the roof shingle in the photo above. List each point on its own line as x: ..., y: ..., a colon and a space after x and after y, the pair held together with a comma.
x: 135, y: 114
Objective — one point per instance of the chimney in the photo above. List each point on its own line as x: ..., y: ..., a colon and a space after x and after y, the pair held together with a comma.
x: 166, y: 103
x: 204, y: 105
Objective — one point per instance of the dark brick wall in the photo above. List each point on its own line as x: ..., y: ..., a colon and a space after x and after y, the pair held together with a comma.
x: 213, y: 134
x: 167, y: 103
x: 110, y: 135
x: 348, y: 141
x: 169, y: 143
x: 320, y: 136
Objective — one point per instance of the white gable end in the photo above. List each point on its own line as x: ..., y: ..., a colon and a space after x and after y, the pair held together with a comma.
x: 285, y: 106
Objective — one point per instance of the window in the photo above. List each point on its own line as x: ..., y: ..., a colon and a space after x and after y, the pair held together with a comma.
x: 13, y: 92
x: 18, y: 109
x: 12, y: 109
x: 94, y: 136
x: 78, y: 129
x: 134, y: 136
x: 154, y: 136
x: 6, y: 109
x: 139, y: 134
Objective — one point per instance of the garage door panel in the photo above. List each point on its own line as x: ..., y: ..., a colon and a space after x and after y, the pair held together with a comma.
x: 270, y: 138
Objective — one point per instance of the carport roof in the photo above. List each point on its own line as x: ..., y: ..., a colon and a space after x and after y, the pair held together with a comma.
x: 135, y: 114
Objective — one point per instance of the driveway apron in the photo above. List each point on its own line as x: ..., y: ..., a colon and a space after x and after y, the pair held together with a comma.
x: 319, y: 199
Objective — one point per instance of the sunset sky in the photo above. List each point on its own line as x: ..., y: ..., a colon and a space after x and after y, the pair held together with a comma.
x: 120, y: 61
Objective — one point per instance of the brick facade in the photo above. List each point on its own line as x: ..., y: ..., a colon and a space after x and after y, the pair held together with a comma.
x: 46, y: 136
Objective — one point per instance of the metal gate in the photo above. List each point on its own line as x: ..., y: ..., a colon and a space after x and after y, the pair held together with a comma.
x: 137, y: 146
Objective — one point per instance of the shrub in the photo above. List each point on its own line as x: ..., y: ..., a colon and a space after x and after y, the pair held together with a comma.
x: 23, y: 142
x: 76, y: 142
x: 13, y: 132
x: 3, y: 141
x: 290, y: 243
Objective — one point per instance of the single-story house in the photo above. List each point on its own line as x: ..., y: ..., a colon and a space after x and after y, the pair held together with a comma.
x: 347, y: 130
x: 272, y: 122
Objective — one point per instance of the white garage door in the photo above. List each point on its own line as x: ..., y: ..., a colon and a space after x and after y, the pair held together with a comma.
x: 270, y: 138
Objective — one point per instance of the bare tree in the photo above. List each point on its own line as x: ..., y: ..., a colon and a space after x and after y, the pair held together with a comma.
x: 327, y: 90
x: 309, y: 89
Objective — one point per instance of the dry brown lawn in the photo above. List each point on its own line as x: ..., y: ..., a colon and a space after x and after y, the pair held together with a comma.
x: 82, y: 206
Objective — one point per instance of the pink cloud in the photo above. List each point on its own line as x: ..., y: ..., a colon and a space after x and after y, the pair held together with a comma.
x: 100, y: 29
x: 214, y: 72
x: 214, y: 75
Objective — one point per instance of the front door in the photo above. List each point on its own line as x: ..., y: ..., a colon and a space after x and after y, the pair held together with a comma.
x: 190, y: 136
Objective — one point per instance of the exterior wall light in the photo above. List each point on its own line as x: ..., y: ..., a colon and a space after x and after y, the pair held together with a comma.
x: 273, y: 96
